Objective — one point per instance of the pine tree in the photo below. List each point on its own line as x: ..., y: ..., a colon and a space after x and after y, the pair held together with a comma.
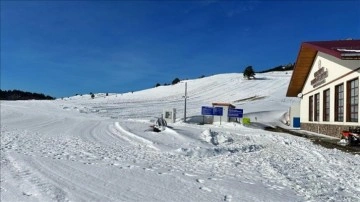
x: 175, y: 81
x: 249, y: 72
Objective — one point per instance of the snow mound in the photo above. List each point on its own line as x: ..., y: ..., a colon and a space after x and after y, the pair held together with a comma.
x: 215, y: 138
x: 216, y: 151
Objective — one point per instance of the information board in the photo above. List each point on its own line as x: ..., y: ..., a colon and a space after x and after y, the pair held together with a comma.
x: 238, y: 113
x: 207, y: 111
x: 218, y: 111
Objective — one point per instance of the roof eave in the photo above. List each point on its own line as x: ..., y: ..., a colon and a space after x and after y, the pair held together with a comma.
x: 306, y: 56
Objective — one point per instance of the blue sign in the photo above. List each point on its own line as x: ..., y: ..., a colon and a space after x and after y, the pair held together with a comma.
x: 207, y: 110
x: 218, y: 111
x: 238, y: 113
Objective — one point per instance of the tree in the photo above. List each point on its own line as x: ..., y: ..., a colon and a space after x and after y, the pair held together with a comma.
x: 157, y: 85
x: 249, y: 72
x: 22, y: 95
x: 175, y: 81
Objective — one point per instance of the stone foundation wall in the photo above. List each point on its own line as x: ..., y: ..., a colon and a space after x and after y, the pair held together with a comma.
x: 326, y: 129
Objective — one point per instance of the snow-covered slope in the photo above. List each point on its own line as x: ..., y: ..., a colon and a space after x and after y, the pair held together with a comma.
x: 265, y: 94
x: 102, y: 149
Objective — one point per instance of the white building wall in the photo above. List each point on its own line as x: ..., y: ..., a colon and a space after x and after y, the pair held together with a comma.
x: 294, y: 112
x: 224, y: 117
x: 336, y: 68
x: 304, y: 104
x: 337, y: 74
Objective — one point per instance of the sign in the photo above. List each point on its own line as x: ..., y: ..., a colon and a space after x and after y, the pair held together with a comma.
x: 207, y: 110
x: 319, y: 76
x: 218, y: 111
x: 238, y: 113
x: 246, y: 121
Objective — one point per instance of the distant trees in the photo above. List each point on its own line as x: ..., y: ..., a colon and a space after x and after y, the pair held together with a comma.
x: 249, y: 72
x: 175, y: 81
x: 287, y: 67
x: 22, y: 95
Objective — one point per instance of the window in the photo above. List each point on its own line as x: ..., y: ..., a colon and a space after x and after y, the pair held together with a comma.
x: 352, y: 102
x: 317, y: 107
x: 326, y: 105
x: 311, y: 108
x: 339, y: 103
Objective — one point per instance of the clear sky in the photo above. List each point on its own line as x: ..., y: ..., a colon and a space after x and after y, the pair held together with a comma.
x: 63, y: 48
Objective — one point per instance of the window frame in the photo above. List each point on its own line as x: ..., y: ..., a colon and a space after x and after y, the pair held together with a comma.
x: 326, y: 105
x: 339, y: 103
x: 311, y: 108
x: 352, y: 100
x: 317, y: 107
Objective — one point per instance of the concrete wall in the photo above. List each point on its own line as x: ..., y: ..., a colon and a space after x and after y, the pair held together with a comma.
x: 326, y: 129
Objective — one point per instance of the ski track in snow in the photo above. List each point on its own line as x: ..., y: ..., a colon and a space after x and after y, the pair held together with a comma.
x: 103, y: 150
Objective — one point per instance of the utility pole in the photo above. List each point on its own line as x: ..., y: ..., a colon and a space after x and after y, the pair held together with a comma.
x: 185, y: 101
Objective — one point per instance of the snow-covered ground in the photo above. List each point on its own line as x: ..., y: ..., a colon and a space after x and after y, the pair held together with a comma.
x: 83, y: 149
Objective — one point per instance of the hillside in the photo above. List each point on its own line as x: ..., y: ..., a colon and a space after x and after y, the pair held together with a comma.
x: 288, y: 67
x: 269, y: 89
x: 104, y: 149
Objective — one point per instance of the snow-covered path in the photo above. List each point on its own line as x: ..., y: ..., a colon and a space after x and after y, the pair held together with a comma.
x: 87, y: 158
x: 78, y: 151
x: 60, y: 156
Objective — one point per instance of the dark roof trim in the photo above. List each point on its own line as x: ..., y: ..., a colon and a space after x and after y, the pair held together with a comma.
x: 343, y: 49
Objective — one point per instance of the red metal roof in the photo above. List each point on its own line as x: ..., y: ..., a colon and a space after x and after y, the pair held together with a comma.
x: 342, y: 49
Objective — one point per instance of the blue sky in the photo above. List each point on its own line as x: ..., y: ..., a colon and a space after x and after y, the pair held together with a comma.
x: 63, y: 48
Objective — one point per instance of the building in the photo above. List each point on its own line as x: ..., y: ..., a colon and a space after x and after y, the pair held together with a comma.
x: 224, y: 112
x: 326, y: 78
x: 294, y: 116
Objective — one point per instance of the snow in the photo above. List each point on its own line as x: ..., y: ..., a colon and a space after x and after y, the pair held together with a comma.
x: 348, y: 50
x: 102, y: 149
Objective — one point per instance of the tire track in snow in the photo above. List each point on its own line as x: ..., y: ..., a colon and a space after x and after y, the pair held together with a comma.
x: 134, y: 139
x: 28, y: 181
x: 72, y: 176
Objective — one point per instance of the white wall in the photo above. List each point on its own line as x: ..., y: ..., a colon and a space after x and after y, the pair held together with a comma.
x: 336, y: 68
x: 294, y: 112
x: 224, y: 117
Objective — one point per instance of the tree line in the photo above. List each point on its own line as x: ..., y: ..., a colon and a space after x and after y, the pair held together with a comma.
x: 249, y: 73
x: 175, y: 81
x: 22, y: 95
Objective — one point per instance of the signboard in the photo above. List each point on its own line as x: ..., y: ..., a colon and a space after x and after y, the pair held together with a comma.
x: 238, y: 113
x: 218, y: 111
x: 319, y: 76
x: 207, y: 111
